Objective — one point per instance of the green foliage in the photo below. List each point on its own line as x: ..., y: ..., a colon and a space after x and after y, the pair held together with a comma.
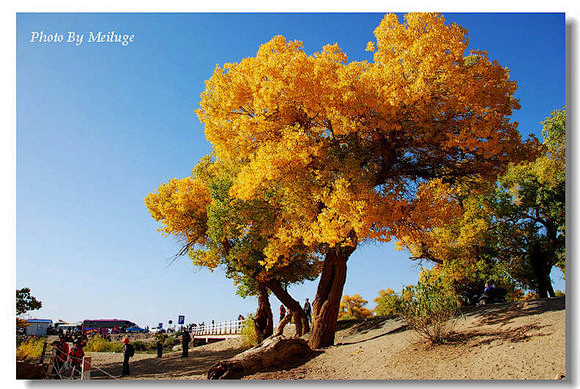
x: 99, y: 344
x: 248, y: 332
x: 388, y: 303
x: 530, y: 210
x: 31, y: 349
x: 224, y: 231
x: 247, y: 286
x: 430, y: 308
x: 511, y: 231
x: 141, y: 346
x: 170, y: 341
x: 26, y: 302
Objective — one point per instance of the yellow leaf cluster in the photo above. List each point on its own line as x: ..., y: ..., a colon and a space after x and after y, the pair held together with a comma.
x: 180, y: 205
x: 330, y: 143
x: 352, y: 307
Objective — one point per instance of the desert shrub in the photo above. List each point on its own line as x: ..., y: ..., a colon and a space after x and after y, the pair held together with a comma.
x: 99, y: 344
x: 248, y: 332
x: 559, y: 293
x: 141, y: 346
x: 431, y: 308
x: 30, y: 349
x: 170, y: 342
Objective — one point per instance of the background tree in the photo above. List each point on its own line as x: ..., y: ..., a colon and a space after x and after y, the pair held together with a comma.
x: 458, y: 237
x: 341, y: 149
x: 530, y: 206
x: 353, y: 307
x: 388, y: 303
x: 26, y: 302
x: 511, y: 231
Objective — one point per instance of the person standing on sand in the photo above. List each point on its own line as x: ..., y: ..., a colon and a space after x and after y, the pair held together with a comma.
x: 128, y: 352
x: 186, y: 338
x: 282, y: 312
x: 308, y: 311
x: 160, y: 337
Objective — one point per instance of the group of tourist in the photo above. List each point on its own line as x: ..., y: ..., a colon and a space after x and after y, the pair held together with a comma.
x: 160, y: 337
x: 307, y: 311
x: 68, y: 359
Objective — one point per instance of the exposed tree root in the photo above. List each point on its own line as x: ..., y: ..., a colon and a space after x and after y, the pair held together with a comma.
x: 273, y: 352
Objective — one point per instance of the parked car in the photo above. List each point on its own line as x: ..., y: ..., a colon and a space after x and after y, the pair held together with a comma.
x: 156, y: 330
x: 136, y: 329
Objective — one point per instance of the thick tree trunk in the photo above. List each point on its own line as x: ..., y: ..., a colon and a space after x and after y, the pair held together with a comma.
x: 542, y: 269
x: 551, y: 292
x: 328, y: 295
x: 273, y: 352
x: 263, y: 322
x: 282, y: 324
x: 300, y: 320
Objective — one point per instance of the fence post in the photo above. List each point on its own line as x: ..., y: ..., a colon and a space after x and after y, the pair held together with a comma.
x: 51, y: 363
x: 86, y: 368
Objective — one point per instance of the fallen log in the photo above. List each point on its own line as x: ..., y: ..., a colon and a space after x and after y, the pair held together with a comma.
x: 273, y: 352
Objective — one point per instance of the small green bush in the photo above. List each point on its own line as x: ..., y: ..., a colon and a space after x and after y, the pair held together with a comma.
x: 431, y: 309
x: 248, y: 332
x: 31, y: 349
x: 170, y: 341
x: 388, y: 303
x: 141, y: 346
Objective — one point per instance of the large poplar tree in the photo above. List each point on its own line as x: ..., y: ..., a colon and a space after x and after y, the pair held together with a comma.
x: 347, y: 145
x: 340, y: 149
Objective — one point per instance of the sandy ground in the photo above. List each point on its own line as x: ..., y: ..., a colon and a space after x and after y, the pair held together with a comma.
x: 520, y: 341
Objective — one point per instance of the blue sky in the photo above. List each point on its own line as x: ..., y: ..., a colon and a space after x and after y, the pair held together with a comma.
x: 101, y: 126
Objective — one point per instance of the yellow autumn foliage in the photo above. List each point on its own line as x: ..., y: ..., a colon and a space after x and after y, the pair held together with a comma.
x: 180, y: 205
x: 352, y: 307
x: 338, y: 142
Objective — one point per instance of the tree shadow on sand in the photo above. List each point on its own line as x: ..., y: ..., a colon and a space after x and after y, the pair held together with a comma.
x: 503, y: 314
x: 170, y: 366
x: 401, y: 328
x: 478, y: 338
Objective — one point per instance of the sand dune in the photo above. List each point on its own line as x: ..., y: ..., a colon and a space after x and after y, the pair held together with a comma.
x: 518, y: 341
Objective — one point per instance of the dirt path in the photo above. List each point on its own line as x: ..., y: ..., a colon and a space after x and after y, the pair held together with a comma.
x: 170, y: 367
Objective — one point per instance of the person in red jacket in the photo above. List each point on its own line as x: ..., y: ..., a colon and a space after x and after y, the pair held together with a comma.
x: 62, y: 349
x: 76, y: 355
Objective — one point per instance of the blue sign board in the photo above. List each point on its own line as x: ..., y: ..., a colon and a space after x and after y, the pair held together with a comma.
x: 181, y: 319
x: 160, y: 325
